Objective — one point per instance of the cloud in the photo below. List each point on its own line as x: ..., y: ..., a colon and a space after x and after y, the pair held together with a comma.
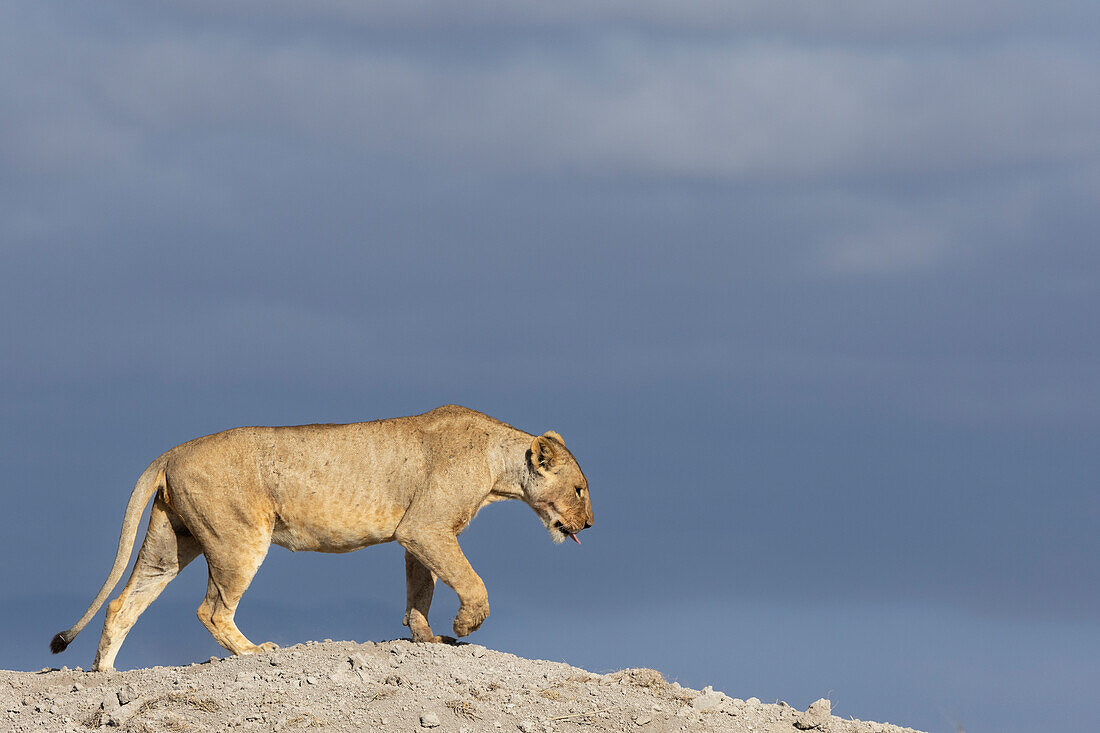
x: 735, y: 189
x: 609, y: 104
x: 850, y: 20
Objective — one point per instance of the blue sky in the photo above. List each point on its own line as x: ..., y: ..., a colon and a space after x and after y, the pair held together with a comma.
x: 810, y: 291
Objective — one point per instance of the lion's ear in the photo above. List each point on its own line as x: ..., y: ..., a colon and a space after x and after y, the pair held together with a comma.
x: 546, y: 450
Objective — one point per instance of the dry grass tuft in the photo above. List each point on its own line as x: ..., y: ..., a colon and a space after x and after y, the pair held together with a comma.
x: 463, y: 709
x: 306, y: 720
x: 94, y: 720
x: 381, y: 694
x: 177, y: 699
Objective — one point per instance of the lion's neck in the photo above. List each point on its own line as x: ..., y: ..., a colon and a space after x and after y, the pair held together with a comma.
x: 513, y: 477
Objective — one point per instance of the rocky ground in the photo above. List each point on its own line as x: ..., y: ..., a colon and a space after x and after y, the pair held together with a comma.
x: 391, y: 686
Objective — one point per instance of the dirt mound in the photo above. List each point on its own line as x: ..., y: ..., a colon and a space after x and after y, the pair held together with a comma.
x: 394, y: 685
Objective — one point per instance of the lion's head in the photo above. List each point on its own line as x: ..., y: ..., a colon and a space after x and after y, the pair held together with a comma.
x: 557, y: 489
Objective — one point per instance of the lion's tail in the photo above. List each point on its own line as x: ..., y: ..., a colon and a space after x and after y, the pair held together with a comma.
x: 152, y: 480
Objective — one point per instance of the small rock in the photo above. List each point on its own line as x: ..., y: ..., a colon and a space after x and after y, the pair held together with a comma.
x: 815, y: 716
x: 429, y: 720
x: 642, y: 719
x: 753, y: 701
x: 311, y: 680
x: 526, y: 726
x: 357, y: 661
x: 477, y: 652
x: 125, y: 695
x: 212, y: 660
x: 78, y: 687
x: 709, y: 700
x: 124, y: 713
x: 109, y: 703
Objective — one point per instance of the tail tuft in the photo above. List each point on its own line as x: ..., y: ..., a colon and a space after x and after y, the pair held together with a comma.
x: 60, y: 642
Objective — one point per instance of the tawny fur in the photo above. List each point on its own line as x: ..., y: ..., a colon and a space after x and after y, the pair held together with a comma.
x: 333, y: 488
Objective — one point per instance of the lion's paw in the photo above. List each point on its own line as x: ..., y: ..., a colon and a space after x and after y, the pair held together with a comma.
x: 470, y: 617
x: 444, y: 639
x: 267, y: 646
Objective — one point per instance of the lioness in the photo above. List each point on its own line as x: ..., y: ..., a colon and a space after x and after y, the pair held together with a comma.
x: 333, y: 488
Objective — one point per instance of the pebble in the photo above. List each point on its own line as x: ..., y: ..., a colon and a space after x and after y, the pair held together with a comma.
x: 124, y: 713
x: 709, y: 700
x: 429, y: 720
x: 125, y: 695
x: 817, y: 715
x: 109, y: 703
x: 477, y: 652
x: 526, y: 726
x: 642, y: 720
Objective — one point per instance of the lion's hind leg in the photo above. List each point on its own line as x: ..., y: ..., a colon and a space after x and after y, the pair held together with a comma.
x: 167, y: 549
x: 230, y: 576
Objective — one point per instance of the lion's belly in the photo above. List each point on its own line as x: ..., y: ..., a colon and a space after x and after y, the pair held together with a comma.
x: 338, y: 491
x: 335, y: 526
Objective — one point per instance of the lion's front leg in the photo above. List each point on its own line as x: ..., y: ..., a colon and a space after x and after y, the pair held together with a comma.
x: 437, y: 550
x: 420, y: 586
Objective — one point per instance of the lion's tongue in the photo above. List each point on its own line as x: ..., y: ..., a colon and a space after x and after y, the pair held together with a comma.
x: 574, y: 537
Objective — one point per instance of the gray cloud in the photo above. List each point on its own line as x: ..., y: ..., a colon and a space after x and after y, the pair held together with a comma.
x: 851, y: 20
x: 610, y: 105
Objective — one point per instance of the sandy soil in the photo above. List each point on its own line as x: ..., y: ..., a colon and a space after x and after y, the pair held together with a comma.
x: 390, y: 686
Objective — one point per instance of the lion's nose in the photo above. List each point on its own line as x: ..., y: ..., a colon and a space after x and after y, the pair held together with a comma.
x: 587, y: 523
